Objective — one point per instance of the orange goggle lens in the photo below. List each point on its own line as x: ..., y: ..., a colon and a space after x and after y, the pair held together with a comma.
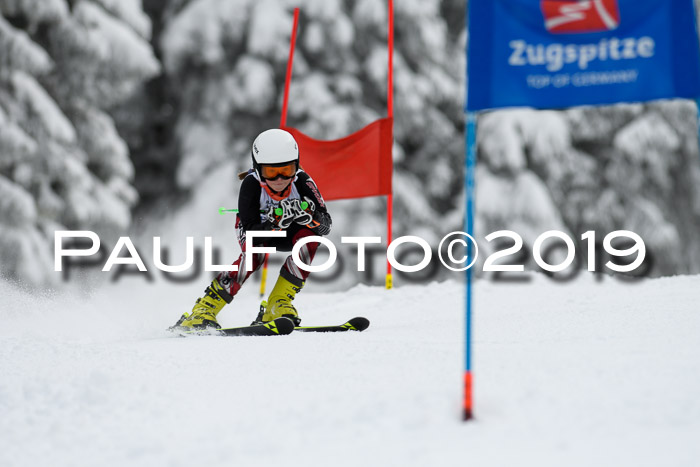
x: 273, y: 172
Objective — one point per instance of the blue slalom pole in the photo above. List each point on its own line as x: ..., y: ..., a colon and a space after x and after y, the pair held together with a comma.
x: 697, y: 105
x: 469, y: 169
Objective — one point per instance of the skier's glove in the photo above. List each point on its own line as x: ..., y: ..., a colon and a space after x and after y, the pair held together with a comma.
x: 280, y: 217
x: 318, y: 221
x: 305, y: 211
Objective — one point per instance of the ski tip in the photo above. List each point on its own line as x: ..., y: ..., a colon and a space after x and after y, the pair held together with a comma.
x: 359, y: 323
x: 284, y: 326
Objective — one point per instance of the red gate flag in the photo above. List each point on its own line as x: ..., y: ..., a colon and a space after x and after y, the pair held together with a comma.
x: 356, y: 166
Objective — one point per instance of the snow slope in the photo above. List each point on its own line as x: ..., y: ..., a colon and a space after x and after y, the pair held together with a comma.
x: 577, y: 374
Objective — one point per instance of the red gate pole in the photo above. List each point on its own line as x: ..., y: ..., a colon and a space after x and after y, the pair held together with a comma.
x: 283, y: 119
x: 288, y: 77
x: 390, y: 113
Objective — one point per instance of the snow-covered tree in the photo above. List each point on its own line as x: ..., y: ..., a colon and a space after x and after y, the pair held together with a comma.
x: 63, y: 66
x: 625, y: 167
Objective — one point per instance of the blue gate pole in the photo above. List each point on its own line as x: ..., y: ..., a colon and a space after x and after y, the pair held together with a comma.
x: 697, y: 106
x: 469, y: 168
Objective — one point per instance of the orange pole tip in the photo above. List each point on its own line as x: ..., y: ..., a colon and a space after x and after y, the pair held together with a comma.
x: 467, y: 406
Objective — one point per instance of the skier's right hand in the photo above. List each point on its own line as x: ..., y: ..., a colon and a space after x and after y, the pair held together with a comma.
x: 280, y: 217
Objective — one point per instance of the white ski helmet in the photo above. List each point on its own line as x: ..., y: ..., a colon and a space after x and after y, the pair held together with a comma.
x: 274, y: 147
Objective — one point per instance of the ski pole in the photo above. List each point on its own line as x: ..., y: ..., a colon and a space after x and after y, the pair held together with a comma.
x: 223, y: 211
x: 263, y: 278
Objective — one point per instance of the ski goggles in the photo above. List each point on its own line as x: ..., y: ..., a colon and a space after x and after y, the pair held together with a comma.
x: 273, y: 172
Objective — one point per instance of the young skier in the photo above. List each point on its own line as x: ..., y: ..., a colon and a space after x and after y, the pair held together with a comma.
x: 276, y: 194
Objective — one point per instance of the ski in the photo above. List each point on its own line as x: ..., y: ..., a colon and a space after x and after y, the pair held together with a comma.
x: 278, y: 327
x: 355, y: 324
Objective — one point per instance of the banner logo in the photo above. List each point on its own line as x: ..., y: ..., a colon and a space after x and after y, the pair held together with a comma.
x: 562, y: 17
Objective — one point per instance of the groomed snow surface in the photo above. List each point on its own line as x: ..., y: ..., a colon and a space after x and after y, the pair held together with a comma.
x: 584, y: 373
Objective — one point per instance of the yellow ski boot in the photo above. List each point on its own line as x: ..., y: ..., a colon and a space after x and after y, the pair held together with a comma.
x: 203, y: 314
x: 279, y: 303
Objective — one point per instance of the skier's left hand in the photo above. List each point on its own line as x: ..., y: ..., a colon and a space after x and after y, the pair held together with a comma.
x: 318, y: 221
x: 304, y: 211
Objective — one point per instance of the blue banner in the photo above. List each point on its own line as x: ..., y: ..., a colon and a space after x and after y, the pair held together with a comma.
x: 564, y: 53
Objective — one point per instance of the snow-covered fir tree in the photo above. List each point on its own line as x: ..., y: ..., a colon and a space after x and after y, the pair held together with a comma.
x: 63, y: 65
x: 626, y: 167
